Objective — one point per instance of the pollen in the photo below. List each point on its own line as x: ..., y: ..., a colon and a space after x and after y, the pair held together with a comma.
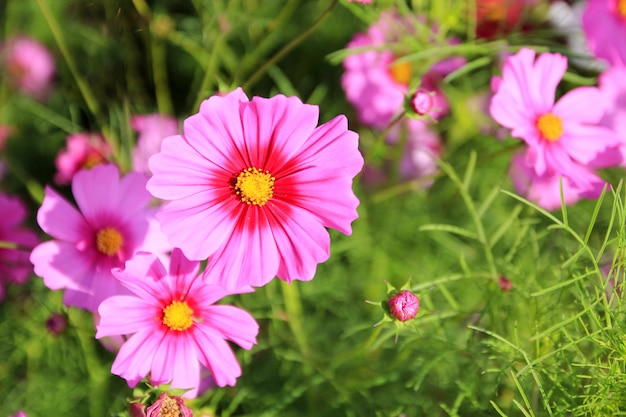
x: 254, y: 186
x: 109, y: 241
x: 621, y: 8
x: 401, y: 72
x: 170, y: 408
x: 550, y: 127
x: 178, y: 316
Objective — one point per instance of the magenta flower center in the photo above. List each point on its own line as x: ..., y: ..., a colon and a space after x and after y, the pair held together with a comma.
x: 254, y: 186
x: 401, y: 72
x: 178, y: 316
x: 550, y: 127
x: 109, y: 241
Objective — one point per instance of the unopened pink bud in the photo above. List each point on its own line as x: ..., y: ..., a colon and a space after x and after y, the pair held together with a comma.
x: 56, y: 324
x: 505, y: 284
x: 167, y: 406
x: 404, y: 305
x: 422, y: 101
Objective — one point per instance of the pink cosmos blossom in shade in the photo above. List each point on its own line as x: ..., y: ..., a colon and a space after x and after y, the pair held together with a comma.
x: 174, y: 327
x: 375, y: 84
x: 404, y: 305
x: 112, y: 222
x: 254, y: 183
x: 168, y: 406
x: 562, y: 137
x: 14, y: 265
x: 545, y: 189
x: 422, y: 149
x: 28, y: 65
x: 152, y: 129
x: 83, y: 151
x: 604, y: 24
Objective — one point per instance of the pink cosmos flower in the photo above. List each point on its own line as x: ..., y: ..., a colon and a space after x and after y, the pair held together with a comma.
x: 14, y: 265
x: 604, y: 24
x: 376, y: 85
x: 173, y: 326
x: 152, y: 129
x: 29, y: 65
x: 254, y: 184
x: 111, y: 223
x: 545, y: 189
x: 562, y: 137
x: 19, y: 414
x: 612, y: 85
x: 84, y: 151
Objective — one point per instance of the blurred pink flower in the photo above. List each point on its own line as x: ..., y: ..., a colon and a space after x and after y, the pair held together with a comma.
x: 545, y: 189
x: 376, y: 85
x: 83, y: 151
x: 604, y: 24
x: 173, y: 326
x: 19, y: 414
x: 168, y: 406
x: 422, y: 149
x: 111, y: 223
x: 612, y: 85
x: 152, y: 129
x: 14, y: 265
x: 563, y: 137
x: 29, y: 65
x: 254, y: 184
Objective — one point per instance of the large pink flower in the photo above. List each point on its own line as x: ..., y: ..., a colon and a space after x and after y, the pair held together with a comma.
x: 152, y: 128
x: 376, y: 85
x: 253, y: 185
x: 173, y: 326
x: 604, y: 24
x: 83, y: 151
x: 28, y: 64
x: 14, y: 265
x: 111, y: 224
x: 563, y: 137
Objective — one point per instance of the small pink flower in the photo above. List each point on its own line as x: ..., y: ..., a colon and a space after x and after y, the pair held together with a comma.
x: 152, y: 129
x: 563, y: 138
x: 111, y: 224
x: 14, y: 265
x: 174, y: 327
x: 404, y: 305
x: 375, y: 84
x: 28, y: 64
x: 422, y: 101
x: 604, y: 24
x: 253, y: 185
x: 84, y: 151
x: 168, y: 406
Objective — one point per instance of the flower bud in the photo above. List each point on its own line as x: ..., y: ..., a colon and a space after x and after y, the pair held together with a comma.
x: 404, y: 305
x: 56, y: 324
x: 167, y: 406
x: 422, y: 101
x: 504, y: 283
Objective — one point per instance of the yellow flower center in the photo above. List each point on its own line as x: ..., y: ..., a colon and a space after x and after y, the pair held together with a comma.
x: 254, y: 186
x: 401, y: 72
x: 621, y: 8
x: 169, y: 408
x: 178, y: 316
x: 550, y: 127
x: 109, y: 241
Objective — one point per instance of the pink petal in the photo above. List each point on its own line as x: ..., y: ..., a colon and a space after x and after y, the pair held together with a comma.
x: 584, y: 143
x: 97, y: 191
x: 124, y: 315
x: 61, y: 265
x: 547, y: 73
x: 134, y: 360
x: 580, y: 105
x: 233, y: 323
x: 215, y: 354
x: 60, y: 219
x: 133, y: 196
x: 249, y: 256
x: 143, y: 275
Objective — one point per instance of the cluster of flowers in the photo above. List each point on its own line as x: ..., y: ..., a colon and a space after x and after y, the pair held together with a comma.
x: 251, y: 186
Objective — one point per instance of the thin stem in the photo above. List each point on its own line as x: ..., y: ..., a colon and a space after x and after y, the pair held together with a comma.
x: 293, y: 305
x: 287, y: 48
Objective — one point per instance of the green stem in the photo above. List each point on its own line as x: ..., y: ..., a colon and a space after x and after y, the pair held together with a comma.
x: 210, y: 70
x: 287, y: 48
x: 293, y: 305
x: 159, y: 75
